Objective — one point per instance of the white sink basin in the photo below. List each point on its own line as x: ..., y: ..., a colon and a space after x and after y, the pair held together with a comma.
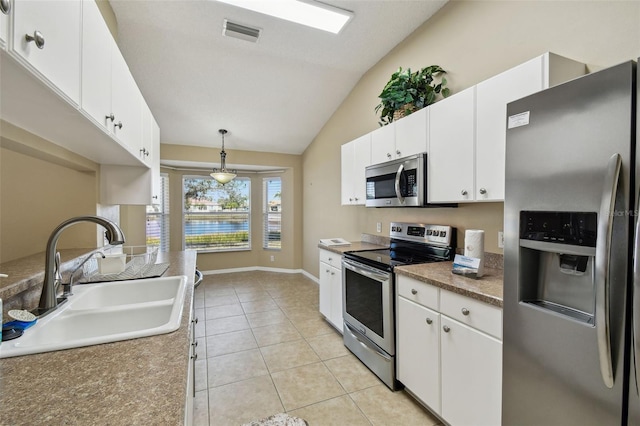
x: 105, y: 312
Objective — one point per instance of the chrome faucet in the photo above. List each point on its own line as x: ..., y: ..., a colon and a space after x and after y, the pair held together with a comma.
x: 52, y: 276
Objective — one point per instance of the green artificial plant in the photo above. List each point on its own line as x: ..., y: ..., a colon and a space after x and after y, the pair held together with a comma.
x: 407, y: 91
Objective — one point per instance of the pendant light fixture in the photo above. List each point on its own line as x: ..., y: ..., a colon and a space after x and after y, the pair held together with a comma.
x: 223, y: 175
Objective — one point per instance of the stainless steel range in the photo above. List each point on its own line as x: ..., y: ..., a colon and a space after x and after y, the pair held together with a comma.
x: 368, y: 289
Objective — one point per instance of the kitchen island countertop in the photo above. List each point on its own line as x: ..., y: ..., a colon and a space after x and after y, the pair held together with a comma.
x: 138, y: 381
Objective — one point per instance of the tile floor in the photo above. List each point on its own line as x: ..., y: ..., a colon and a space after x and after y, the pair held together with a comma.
x: 264, y: 348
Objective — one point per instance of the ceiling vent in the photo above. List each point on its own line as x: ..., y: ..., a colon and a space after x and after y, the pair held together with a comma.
x: 231, y: 29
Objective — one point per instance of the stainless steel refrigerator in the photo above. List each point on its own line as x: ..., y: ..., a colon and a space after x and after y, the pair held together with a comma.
x: 570, y: 227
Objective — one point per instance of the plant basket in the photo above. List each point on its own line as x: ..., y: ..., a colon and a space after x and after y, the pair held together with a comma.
x: 405, y: 110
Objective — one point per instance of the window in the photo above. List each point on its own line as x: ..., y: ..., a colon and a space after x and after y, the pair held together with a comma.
x: 216, y: 217
x: 272, y: 213
x: 158, y: 217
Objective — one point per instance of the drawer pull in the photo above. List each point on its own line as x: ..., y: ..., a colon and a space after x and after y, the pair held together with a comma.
x: 195, y: 320
x: 194, y: 357
x: 446, y: 328
x: 414, y: 291
x: 429, y: 321
x: 465, y: 311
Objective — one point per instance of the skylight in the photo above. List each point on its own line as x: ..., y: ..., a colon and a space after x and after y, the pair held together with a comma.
x: 312, y: 14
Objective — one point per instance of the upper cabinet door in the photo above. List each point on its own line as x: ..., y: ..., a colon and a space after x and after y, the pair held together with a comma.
x: 6, y: 9
x: 126, y: 104
x: 451, y: 147
x: 97, y: 44
x: 46, y: 37
x: 383, y: 144
x: 411, y: 134
x: 492, y: 98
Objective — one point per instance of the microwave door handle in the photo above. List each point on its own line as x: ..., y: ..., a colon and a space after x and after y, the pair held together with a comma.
x: 398, y: 176
x: 602, y: 261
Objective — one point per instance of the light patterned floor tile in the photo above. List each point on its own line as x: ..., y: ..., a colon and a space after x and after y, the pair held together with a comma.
x: 383, y: 407
x: 306, y: 385
x: 260, y: 305
x: 288, y: 355
x: 223, y: 311
x: 338, y: 411
x: 351, y: 373
x: 276, y: 333
x: 226, y: 325
x: 260, y: 319
x: 236, y: 341
x: 236, y: 367
x: 327, y: 346
x: 242, y: 402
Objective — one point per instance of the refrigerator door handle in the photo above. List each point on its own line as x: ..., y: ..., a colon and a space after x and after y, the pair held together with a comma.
x: 636, y: 303
x: 603, y: 256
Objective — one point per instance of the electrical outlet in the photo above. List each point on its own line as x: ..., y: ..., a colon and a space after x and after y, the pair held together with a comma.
x: 273, y: 258
x: 500, y: 239
x: 379, y: 226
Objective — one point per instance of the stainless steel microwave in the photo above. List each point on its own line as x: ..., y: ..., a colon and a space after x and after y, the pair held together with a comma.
x: 398, y: 183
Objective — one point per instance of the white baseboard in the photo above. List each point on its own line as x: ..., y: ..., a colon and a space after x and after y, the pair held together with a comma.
x: 262, y: 268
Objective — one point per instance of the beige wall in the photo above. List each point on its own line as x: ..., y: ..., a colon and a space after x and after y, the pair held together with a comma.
x: 41, y: 185
x: 290, y: 257
x: 473, y: 40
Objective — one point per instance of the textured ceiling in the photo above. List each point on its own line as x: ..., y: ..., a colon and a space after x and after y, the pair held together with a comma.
x: 274, y: 95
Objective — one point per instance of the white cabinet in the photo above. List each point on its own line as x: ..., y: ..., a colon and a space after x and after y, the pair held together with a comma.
x: 411, y: 133
x: 383, y: 144
x: 492, y: 97
x: 450, y: 352
x: 151, y: 152
x: 356, y: 156
x: 126, y: 104
x: 471, y: 375
x: 6, y: 9
x: 331, y: 288
x: 97, y: 45
x: 419, y: 351
x: 46, y: 39
x: 401, y: 138
x: 452, y: 147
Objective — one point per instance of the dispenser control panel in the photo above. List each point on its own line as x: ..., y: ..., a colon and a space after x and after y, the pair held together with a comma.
x: 572, y: 228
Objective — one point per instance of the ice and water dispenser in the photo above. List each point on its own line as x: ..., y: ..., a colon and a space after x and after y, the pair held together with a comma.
x: 557, y: 262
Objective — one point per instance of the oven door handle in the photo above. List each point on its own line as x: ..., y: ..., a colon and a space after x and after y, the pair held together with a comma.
x: 361, y: 269
x: 397, y: 185
x: 368, y: 347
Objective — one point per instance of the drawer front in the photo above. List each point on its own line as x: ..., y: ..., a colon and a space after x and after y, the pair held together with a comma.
x: 418, y: 291
x: 331, y: 258
x: 476, y: 314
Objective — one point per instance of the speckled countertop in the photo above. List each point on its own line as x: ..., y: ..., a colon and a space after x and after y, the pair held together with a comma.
x: 487, y: 289
x: 133, y: 382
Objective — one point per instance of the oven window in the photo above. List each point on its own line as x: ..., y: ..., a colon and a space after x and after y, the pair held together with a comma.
x: 363, y: 301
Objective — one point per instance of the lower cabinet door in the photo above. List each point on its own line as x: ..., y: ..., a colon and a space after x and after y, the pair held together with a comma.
x: 471, y: 375
x: 325, y: 290
x: 419, y: 351
x: 336, y: 298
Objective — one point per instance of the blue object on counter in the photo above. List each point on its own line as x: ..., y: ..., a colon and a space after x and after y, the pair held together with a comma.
x: 19, y: 325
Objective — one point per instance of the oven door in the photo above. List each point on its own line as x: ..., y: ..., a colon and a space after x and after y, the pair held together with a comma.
x: 367, y: 302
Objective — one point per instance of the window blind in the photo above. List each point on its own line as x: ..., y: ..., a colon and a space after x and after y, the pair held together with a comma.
x: 272, y: 213
x: 158, y: 217
x: 216, y: 217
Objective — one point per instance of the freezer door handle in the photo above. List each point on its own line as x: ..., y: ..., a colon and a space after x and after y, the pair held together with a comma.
x: 603, y: 255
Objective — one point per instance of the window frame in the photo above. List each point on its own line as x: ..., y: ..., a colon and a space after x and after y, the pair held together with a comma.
x: 163, y: 215
x: 266, y: 212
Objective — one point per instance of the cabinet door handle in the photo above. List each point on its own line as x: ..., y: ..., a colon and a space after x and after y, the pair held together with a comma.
x: 465, y: 311
x: 37, y: 38
x: 195, y: 320
x: 429, y: 321
x: 119, y: 125
x: 483, y: 191
x: 398, y: 152
x: 110, y: 117
x: 144, y: 152
x: 5, y: 6
x: 388, y: 156
x: 414, y: 291
x: 463, y: 192
x: 446, y: 328
x: 356, y: 199
x: 194, y: 357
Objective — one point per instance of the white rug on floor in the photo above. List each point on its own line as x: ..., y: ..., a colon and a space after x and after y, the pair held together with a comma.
x: 281, y: 419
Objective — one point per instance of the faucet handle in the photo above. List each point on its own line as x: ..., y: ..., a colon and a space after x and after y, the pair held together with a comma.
x: 57, y: 275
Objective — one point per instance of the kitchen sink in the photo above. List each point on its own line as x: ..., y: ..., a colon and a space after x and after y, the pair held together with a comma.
x: 105, y: 312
